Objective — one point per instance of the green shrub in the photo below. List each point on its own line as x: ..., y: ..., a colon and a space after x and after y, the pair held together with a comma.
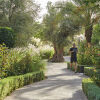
x: 91, y: 90
x: 96, y: 59
x: 24, y: 62
x: 3, y: 60
x: 7, y: 36
x: 9, y: 84
x: 46, y: 54
x: 96, y: 76
x: 89, y: 71
x: 85, y: 55
x: 96, y: 34
x: 17, y: 62
x: 93, y: 73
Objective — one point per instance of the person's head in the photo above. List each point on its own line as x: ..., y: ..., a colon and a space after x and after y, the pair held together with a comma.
x: 74, y: 45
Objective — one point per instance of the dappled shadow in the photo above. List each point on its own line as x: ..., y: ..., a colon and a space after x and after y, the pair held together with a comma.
x: 70, y: 73
x: 49, y: 85
x: 63, y: 79
x: 78, y: 95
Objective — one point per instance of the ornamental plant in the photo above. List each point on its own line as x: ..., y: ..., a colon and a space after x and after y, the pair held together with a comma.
x: 96, y: 58
x: 3, y: 60
x: 85, y: 54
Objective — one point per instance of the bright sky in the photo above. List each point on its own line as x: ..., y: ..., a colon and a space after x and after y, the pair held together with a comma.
x: 43, y: 4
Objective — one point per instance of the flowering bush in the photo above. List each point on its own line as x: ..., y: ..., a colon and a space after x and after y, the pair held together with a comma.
x: 19, y: 61
x: 45, y: 51
x: 7, y: 36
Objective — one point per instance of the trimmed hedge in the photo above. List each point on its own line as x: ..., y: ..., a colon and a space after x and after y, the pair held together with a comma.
x: 96, y: 76
x: 80, y: 68
x: 91, y: 90
x: 89, y: 71
x: 10, y: 84
x: 93, y: 73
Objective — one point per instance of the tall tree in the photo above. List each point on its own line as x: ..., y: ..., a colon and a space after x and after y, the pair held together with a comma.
x: 20, y: 15
x: 59, y: 24
x: 89, y: 12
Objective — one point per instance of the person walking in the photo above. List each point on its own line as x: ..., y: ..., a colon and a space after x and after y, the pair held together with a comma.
x: 73, y: 59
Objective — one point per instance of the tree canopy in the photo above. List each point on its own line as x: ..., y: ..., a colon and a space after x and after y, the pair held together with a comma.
x: 89, y: 13
x: 20, y: 15
x: 59, y: 24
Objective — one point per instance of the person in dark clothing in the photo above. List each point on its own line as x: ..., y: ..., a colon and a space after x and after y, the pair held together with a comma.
x: 73, y: 52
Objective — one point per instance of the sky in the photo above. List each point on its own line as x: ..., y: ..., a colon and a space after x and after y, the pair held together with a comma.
x: 43, y: 4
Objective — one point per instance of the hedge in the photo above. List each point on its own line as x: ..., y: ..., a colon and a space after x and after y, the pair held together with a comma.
x: 80, y: 68
x: 89, y: 71
x: 10, y: 84
x: 93, y: 73
x: 7, y: 36
x: 91, y: 90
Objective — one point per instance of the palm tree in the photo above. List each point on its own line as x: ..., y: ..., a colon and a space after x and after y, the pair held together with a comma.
x: 89, y: 12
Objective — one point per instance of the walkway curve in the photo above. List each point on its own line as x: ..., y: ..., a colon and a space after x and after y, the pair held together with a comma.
x: 61, y: 84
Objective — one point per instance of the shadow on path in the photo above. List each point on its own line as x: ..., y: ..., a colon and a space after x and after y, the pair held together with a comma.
x: 61, y: 84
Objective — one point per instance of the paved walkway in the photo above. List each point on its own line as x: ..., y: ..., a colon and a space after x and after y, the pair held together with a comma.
x: 61, y: 84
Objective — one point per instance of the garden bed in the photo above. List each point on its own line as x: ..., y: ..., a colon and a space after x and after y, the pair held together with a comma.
x: 10, y: 84
x: 93, y: 73
x: 91, y: 90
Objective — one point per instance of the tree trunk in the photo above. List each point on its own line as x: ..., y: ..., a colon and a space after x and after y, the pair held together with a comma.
x: 88, y: 34
x: 58, y: 55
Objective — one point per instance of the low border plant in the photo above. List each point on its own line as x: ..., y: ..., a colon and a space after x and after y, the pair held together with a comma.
x: 91, y: 90
x: 9, y: 84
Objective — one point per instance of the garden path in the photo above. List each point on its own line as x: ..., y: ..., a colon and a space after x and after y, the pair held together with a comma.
x: 61, y: 84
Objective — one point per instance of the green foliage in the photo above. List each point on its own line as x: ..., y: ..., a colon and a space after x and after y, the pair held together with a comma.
x: 89, y: 56
x: 3, y: 60
x: 96, y: 35
x: 17, y: 62
x: 93, y: 73
x: 58, y: 26
x: 24, y: 62
x: 7, y: 36
x: 96, y: 60
x: 85, y: 54
x: 91, y: 90
x: 9, y: 84
x: 96, y: 76
x: 89, y: 71
x: 21, y: 16
x: 46, y: 54
x: 85, y: 11
x: 96, y: 57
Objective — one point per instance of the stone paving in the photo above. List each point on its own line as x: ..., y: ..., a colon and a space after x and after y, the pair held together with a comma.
x: 61, y: 84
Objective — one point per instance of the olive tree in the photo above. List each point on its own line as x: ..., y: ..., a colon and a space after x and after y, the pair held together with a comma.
x: 59, y: 23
